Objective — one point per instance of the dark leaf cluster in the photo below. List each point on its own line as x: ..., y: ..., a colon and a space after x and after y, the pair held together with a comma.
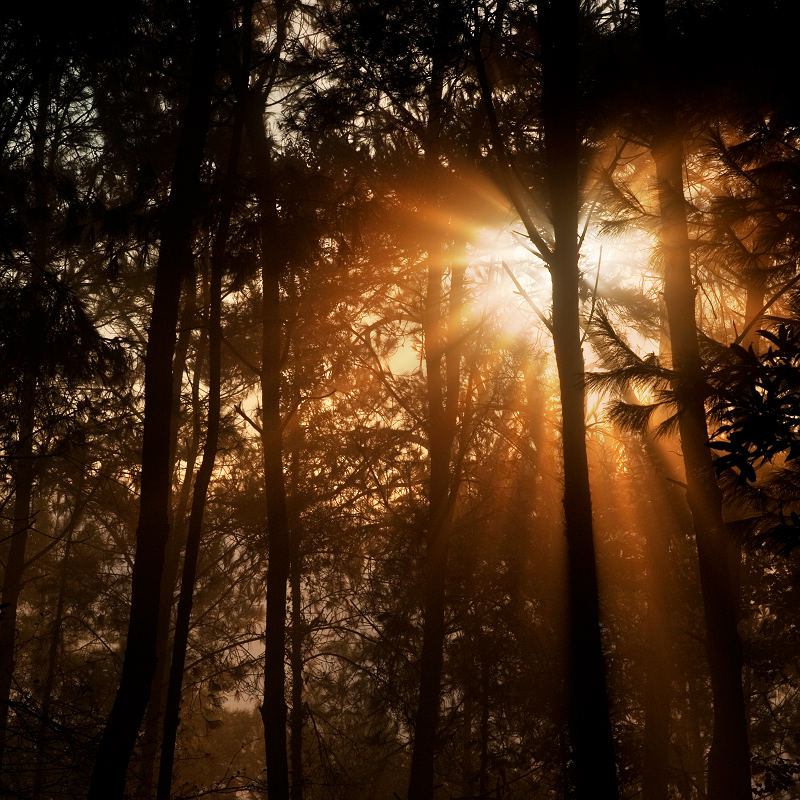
x: 756, y: 404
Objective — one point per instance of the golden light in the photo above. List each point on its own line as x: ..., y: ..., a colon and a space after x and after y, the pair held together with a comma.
x: 510, y: 285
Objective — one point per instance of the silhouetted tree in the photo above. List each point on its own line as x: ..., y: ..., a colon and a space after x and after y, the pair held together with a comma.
x: 50, y: 347
x: 729, y: 772
x: 204, y: 473
x: 558, y: 28
x: 175, y: 262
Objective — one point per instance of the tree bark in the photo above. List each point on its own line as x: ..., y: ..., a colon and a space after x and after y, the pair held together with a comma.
x: 589, y: 722
x: 174, y: 262
x: 274, y: 709
x: 195, y: 529
x: 755, y: 287
x: 591, y: 737
x: 657, y: 690
x: 298, y: 631
x: 442, y: 419
x: 439, y: 444
x: 203, y: 478
x: 729, y: 758
x: 441, y: 350
x: 524, y: 498
x: 154, y: 717
x: 485, y: 678
x: 53, y: 652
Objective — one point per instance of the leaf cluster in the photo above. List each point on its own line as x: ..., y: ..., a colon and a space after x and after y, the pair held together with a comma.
x: 755, y: 403
x: 625, y: 374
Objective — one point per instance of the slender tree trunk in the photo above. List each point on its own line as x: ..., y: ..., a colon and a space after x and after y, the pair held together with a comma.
x: 296, y: 717
x: 48, y: 684
x: 273, y: 262
x: 485, y: 679
x: 151, y: 733
x: 590, y: 727
x: 590, y: 731
x: 674, y: 513
x: 729, y: 758
x: 441, y: 351
x: 204, y: 473
x: 174, y: 262
x: 186, y: 325
x: 657, y: 694
x: 435, y: 566
x: 12, y: 581
x: 754, y: 301
x: 469, y: 773
x: 691, y: 783
x: 442, y: 416
x: 273, y: 710
x: 658, y: 523
x: 195, y: 529
x: 525, y: 495
x: 657, y: 703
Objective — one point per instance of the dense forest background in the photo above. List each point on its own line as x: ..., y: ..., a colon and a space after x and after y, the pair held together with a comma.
x: 401, y: 398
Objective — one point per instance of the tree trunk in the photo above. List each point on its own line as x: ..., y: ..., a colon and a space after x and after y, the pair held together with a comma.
x: 755, y: 286
x: 525, y: 495
x: 151, y: 733
x: 589, y: 723
x: 203, y: 479
x: 442, y: 417
x: 12, y: 581
x: 435, y: 565
x: 485, y: 678
x: 174, y: 262
x: 729, y: 758
x: 658, y: 523
x: 442, y: 399
x: 273, y: 710
x: 690, y: 783
x: 591, y: 736
x: 48, y: 684
x: 195, y: 530
x: 297, y: 715
x: 469, y: 772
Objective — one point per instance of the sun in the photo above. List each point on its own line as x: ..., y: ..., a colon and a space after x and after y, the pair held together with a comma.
x: 509, y: 291
x: 512, y: 290
x: 511, y: 285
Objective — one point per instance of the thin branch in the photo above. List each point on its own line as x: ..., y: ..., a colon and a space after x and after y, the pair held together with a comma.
x: 252, y: 367
x: 528, y: 299
x: 243, y: 414
x: 514, y: 184
x: 757, y: 318
x: 594, y: 296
